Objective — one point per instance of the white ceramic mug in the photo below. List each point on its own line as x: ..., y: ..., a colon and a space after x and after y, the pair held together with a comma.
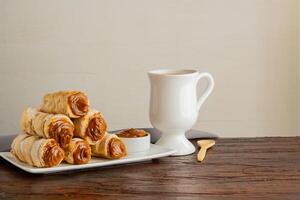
x: 174, y: 105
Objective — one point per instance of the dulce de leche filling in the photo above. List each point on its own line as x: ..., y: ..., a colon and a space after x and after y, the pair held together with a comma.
x: 96, y: 127
x: 116, y: 148
x: 82, y: 153
x: 62, y: 131
x: 78, y: 103
x: 132, y: 133
x: 53, y: 154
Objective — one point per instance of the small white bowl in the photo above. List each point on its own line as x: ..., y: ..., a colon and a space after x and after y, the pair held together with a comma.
x: 137, y: 144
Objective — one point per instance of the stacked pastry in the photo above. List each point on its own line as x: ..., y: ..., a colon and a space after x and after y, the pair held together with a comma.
x: 64, y: 128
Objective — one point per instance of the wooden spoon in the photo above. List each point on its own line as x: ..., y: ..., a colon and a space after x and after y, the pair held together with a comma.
x: 204, y: 145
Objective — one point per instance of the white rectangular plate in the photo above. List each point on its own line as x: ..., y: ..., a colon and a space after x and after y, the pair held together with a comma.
x: 155, y: 151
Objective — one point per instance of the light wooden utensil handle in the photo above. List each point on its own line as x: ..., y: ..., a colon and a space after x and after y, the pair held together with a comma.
x: 201, y: 154
x: 204, y: 145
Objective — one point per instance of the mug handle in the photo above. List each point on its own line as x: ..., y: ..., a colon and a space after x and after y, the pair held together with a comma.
x: 208, y: 90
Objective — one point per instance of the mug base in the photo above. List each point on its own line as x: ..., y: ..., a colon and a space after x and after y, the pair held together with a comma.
x: 177, y: 141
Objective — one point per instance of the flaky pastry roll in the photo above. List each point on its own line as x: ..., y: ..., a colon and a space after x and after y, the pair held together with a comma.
x: 25, y: 148
x: 72, y: 103
x: 91, y: 127
x: 56, y: 126
x: 26, y: 120
x: 35, y: 151
x: 16, y: 144
x: 111, y: 147
x: 78, y: 152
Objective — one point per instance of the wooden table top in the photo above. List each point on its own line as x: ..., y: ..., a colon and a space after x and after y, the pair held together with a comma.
x: 245, y: 168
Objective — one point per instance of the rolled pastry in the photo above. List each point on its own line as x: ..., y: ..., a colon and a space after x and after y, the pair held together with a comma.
x: 25, y: 147
x: 35, y: 151
x: 26, y: 120
x: 91, y: 127
x: 78, y: 152
x: 72, y: 103
x: 58, y: 127
x: 111, y: 146
x: 16, y: 144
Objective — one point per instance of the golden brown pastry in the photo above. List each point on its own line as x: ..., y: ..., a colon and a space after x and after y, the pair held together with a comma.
x: 35, y: 151
x: 111, y: 147
x: 16, y: 144
x: 26, y: 120
x: 58, y: 127
x: 78, y: 152
x: 72, y: 103
x: 91, y: 127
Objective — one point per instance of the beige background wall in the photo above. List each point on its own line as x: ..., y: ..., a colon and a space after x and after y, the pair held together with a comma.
x: 297, y: 69
x: 106, y: 47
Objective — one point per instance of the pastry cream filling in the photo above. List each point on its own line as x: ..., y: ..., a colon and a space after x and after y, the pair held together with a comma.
x: 96, y: 128
x: 53, y: 154
x: 116, y: 149
x: 82, y: 154
x: 78, y: 103
x: 61, y: 131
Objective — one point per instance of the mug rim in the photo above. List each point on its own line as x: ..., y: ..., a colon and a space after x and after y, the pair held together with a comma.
x: 173, y: 72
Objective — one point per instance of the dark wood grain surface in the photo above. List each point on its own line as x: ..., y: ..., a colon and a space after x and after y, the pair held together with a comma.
x: 262, y: 168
